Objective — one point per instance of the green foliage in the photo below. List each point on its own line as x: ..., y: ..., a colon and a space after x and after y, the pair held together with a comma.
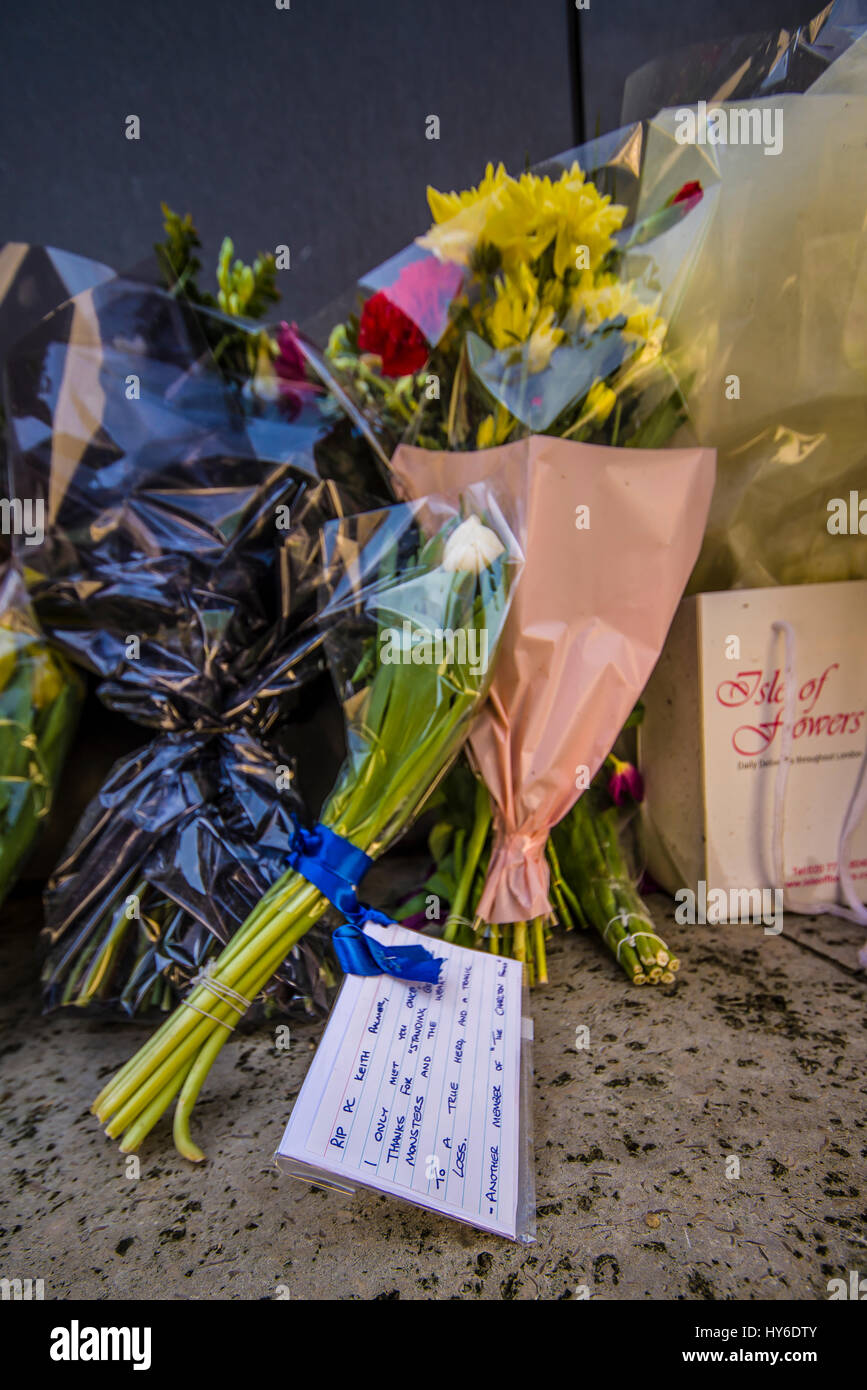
x: 245, y: 291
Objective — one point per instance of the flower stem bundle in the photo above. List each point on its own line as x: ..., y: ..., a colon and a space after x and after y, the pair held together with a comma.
x: 590, y: 886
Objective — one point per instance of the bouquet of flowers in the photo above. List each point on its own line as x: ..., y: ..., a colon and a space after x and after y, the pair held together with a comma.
x: 185, y: 459
x: 411, y: 619
x: 532, y: 305
x: 524, y: 331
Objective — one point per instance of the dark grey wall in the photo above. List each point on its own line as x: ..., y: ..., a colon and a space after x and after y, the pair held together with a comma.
x: 617, y: 36
x: 303, y: 126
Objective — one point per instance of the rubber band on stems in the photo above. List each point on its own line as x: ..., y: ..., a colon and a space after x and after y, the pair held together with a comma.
x: 856, y: 911
x: 630, y: 940
x: 223, y: 992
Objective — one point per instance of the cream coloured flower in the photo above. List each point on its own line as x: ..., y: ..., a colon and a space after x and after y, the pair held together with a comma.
x: 471, y: 546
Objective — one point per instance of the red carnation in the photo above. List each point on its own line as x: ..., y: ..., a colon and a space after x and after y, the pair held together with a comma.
x: 399, y: 323
x: 386, y: 331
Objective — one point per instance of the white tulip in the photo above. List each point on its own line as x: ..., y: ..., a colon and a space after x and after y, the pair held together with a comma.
x: 471, y: 547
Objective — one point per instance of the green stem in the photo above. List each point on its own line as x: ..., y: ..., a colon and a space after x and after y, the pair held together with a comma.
x: 478, y: 836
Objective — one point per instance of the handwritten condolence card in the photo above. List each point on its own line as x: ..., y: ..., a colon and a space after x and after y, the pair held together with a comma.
x: 414, y: 1089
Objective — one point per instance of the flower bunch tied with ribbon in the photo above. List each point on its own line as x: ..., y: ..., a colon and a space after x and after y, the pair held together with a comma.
x: 414, y: 599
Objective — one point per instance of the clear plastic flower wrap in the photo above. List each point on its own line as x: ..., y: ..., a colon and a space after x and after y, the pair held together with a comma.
x: 533, y: 305
x: 414, y: 601
x: 772, y: 328
x: 747, y: 66
x: 525, y: 329
x: 183, y: 462
x: 40, y: 697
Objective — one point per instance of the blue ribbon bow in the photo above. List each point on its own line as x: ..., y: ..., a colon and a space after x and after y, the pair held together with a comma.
x: 335, y: 866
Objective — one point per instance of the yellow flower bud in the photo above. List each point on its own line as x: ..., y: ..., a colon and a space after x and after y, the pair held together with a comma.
x: 47, y: 678
x: 485, y: 435
x: 8, y: 647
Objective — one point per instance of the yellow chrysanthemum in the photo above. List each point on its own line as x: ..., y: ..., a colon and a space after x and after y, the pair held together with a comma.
x: 585, y: 218
x: 531, y: 212
x: 600, y: 299
x: 543, y: 340
x: 444, y: 206
x: 522, y: 217
x: 460, y: 218
x: 518, y: 316
x: 509, y: 320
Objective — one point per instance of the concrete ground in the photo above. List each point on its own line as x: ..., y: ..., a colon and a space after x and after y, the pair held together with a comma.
x: 757, y: 1053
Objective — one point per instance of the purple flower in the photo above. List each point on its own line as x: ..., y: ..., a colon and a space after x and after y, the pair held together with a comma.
x: 290, y: 368
x: 625, y: 782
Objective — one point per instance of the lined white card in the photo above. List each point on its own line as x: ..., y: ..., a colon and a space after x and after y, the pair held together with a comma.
x: 414, y: 1089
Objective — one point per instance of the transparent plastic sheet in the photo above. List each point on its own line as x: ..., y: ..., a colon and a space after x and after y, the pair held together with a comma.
x: 413, y: 601
x: 752, y: 65
x: 40, y: 698
x: 775, y: 310
x: 539, y: 307
x: 33, y: 281
x: 415, y: 598
x: 531, y: 305
x: 183, y: 498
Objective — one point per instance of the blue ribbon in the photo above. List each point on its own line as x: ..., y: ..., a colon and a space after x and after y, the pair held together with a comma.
x: 335, y: 866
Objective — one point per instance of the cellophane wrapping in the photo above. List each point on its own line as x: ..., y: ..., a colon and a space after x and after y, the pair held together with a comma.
x: 526, y: 329
x: 183, y: 498
x: 40, y: 698
x: 771, y: 330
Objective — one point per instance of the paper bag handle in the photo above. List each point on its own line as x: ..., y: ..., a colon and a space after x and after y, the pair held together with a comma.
x: 857, y: 911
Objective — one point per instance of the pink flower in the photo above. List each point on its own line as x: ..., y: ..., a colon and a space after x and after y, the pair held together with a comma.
x: 625, y: 782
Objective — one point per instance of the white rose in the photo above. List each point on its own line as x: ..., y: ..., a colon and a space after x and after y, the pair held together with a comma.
x: 471, y: 547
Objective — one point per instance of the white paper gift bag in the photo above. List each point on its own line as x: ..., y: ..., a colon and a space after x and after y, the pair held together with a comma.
x: 753, y: 749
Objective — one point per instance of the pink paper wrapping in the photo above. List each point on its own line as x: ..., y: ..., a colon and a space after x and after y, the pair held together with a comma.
x: 588, y: 620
